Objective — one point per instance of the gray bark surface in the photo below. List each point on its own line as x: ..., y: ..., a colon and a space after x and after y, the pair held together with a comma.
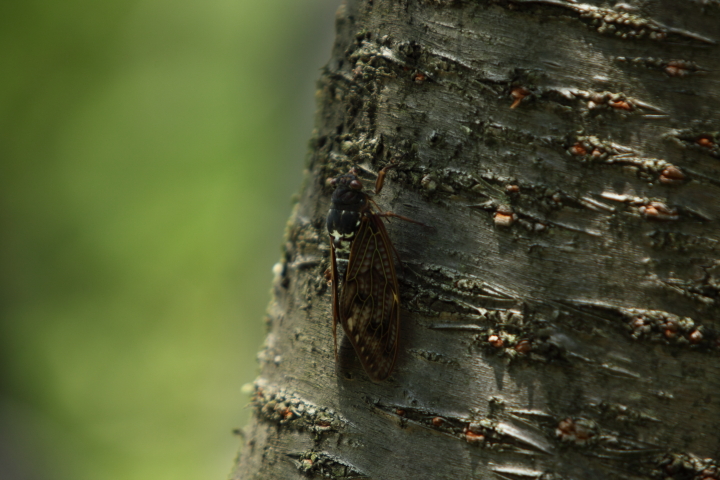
x: 562, y: 320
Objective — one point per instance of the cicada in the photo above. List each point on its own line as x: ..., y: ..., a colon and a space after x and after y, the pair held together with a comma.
x: 368, y: 304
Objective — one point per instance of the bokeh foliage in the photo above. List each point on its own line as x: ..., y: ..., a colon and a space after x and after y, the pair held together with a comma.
x: 148, y: 153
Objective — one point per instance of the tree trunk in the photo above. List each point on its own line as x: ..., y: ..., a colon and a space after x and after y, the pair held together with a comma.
x: 562, y: 318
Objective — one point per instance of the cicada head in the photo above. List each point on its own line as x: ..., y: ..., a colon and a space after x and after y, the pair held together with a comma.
x: 348, y: 191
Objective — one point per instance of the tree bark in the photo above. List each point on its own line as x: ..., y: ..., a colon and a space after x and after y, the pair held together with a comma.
x: 562, y: 318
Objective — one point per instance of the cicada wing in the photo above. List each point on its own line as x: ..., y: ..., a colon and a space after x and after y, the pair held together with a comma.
x: 334, y: 279
x: 369, y: 304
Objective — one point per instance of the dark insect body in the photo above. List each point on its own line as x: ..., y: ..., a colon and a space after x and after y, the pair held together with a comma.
x: 368, y: 306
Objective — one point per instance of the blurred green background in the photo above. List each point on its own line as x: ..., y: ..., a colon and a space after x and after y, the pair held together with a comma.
x: 148, y: 153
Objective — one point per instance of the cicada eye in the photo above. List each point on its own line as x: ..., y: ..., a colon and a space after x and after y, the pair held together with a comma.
x: 355, y: 184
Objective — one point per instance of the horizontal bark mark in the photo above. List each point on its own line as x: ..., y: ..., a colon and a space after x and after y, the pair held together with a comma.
x: 621, y: 24
x: 282, y: 407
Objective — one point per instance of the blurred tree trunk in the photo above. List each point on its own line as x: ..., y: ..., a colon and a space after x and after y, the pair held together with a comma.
x: 562, y: 320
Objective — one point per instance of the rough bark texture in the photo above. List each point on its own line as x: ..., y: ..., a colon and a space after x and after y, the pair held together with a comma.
x: 563, y: 318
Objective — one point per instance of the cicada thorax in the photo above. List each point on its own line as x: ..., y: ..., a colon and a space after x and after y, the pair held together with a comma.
x: 349, y: 204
